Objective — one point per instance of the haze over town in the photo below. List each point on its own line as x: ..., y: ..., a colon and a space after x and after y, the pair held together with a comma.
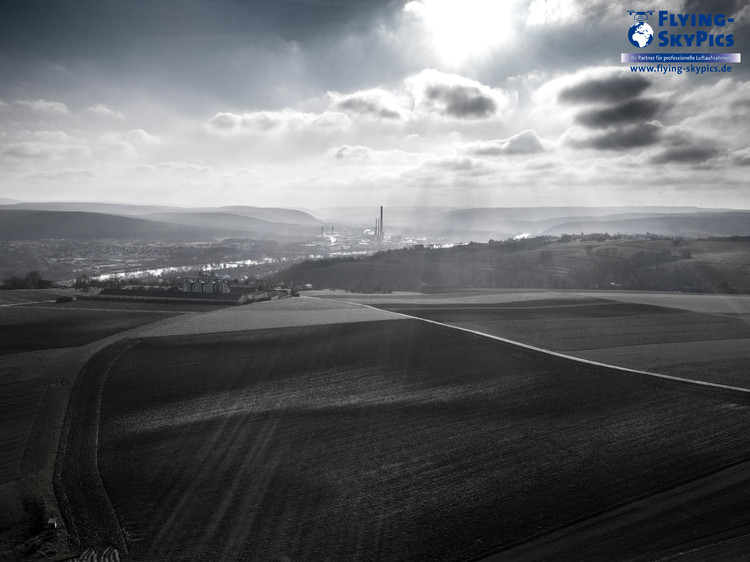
x: 311, y: 104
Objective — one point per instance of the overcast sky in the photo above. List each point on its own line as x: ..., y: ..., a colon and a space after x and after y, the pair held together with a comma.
x: 317, y: 103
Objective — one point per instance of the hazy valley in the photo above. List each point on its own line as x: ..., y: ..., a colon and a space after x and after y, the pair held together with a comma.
x: 425, y: 397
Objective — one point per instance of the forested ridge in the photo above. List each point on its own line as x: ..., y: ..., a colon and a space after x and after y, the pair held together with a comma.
x: 596, y: 261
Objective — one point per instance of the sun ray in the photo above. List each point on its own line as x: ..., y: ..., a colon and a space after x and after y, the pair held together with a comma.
x: 461, y: 30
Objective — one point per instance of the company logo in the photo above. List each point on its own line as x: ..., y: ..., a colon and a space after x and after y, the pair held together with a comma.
x: 698, y: 31
x: 640, y: 33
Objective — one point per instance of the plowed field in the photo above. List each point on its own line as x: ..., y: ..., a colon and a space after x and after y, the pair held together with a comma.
x: 388, y: 440
x: 707, y: 346
x: 31, y: 328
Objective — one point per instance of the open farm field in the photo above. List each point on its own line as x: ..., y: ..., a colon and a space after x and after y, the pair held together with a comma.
x: 36, y: 327
x: 392, y: 440
x: 283, y: 313
x: 44, y: 345
x: 25, y: 296
x: 712, y: 304
x: 693, y: 336
x: 585, y: 324
x: 34, y: 390
x: 18, y: 407
x: 136, y: 306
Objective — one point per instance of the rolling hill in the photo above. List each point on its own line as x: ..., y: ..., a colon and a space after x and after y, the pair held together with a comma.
x: 40, y: 225
x: 588, y: 262
x: 500, y: 223
x: 270, y: 214
x: 688, y: 225
x: 233, y: 223
x: 87, y: 207
x: 20, y: 224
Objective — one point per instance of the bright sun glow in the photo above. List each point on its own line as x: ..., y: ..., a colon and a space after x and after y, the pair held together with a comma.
x: 464, y: 29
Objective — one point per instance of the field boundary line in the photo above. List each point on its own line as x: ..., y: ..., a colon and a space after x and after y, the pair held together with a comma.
x: 621, y: 515
x: 24, y: 303
x: 561, y: 355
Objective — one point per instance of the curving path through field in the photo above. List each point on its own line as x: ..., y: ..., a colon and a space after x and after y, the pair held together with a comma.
x: 399, y: 437
x: 570, y: 357
x: 365, y: 395
x: 91, y: 520
x: 703, y: 519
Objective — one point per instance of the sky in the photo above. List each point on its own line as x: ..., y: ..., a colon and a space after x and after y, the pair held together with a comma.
x: 322, y: 103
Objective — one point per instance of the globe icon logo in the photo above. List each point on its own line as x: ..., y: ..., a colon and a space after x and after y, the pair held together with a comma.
x: 641, y: 34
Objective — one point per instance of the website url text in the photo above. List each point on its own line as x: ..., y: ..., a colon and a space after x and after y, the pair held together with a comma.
x: 679, y: 69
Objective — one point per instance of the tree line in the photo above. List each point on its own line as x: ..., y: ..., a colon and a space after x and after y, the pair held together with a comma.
x: 32, y: 280
x: 591, y: 262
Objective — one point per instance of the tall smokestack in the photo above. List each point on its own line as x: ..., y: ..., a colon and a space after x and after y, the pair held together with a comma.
x: 381, y: 221
x: 377, y: 228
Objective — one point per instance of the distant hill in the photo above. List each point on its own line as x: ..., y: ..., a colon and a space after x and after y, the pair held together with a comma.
x: 500, y: 223
x: 444, y: 224
x: 40, y: 225
x: 494, y: 214
x: 588, y: 262
x: 270, y: 214
x: 90, y: 207
x: 236, y: 224
x: 411, y: 216
x: 555, y: 221
x: 698, y: 225
x: 17, y: 223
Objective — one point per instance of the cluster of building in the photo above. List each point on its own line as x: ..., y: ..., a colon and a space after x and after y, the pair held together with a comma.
x: 205, y: 285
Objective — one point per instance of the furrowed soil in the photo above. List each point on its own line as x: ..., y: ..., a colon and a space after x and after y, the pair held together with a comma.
x: 43, y: 347
x: 681, y: 342
x: 391, y: 440
x: 35, y: 327
x: 26, y: 296
x: 584, y: 325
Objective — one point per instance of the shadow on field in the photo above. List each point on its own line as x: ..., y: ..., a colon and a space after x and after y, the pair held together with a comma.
x: 390, y: 440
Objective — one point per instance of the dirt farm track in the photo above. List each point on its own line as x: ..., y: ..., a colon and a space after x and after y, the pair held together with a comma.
x: 345, y: 427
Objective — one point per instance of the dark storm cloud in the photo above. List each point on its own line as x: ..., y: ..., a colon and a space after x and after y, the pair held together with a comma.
x: 462, y: 101
x: 366, y: 107
x: 72, y: 26
x: 740, y: 105
x: 612, y: 90
x: 375, y: 103
x: 633, y: 111
x: 726, y: 7
x: 455, y: 96
x: 694, y: 154
x: 233, y: 50
x: 642, y: 134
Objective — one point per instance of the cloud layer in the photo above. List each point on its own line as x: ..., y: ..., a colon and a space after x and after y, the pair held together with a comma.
x: 494, y: 103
